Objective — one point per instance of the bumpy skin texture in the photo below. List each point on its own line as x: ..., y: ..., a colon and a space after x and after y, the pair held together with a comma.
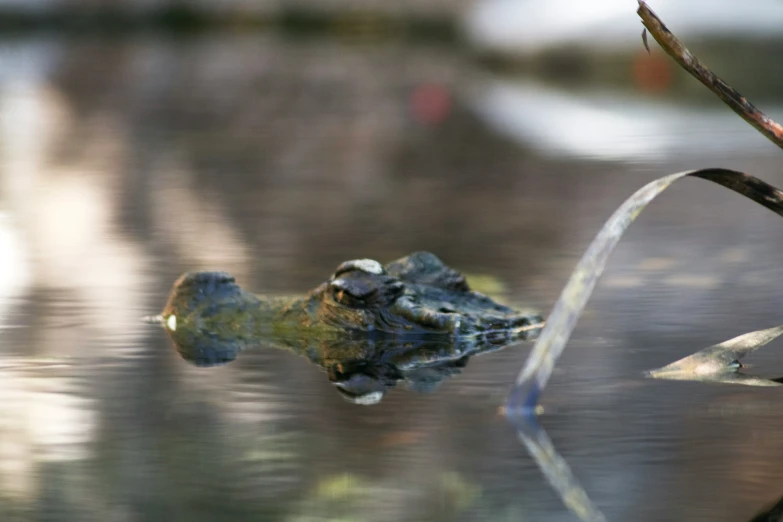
x: 415, y: 295
x: 368, y: 326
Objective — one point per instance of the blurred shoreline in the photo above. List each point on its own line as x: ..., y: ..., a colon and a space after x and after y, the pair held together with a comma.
x: 563, y: 62
x: 186, y: 20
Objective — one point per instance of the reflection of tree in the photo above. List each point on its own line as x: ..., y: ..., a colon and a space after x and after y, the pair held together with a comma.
x: 305, y: 149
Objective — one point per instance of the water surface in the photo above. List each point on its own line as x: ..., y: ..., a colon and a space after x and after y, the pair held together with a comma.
x: 124, y: 163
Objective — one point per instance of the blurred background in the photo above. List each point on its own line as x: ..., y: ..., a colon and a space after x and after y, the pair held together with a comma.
x: 274, y: 139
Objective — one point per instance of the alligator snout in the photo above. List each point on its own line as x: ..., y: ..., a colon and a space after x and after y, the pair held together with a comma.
x: 198, y: 296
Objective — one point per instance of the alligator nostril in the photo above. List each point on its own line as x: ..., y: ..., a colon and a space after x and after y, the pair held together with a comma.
x: 205, y: 279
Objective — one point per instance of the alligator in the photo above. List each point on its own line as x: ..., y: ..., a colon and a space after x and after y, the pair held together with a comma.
x: 369, y: 325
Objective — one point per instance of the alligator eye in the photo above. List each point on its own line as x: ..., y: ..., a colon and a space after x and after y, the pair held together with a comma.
x: 352, y: 292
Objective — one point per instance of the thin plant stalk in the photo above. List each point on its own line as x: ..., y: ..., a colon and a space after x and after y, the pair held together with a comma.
x: 737, y: 102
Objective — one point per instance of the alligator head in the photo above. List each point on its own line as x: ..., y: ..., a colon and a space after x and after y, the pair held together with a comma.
x: 415, y: 295
x: 368, y: 326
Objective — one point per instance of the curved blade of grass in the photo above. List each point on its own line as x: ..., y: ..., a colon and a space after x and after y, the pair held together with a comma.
x: 714, y: 364
x: 720, y: 362
x: 535, y: 374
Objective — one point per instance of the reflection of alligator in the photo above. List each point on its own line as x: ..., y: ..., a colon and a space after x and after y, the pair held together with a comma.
x: 369, y: 326
x: 361, y: 368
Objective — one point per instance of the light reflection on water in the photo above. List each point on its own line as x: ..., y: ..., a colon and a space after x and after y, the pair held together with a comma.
x: 276, y: 166
x: 613, y: 126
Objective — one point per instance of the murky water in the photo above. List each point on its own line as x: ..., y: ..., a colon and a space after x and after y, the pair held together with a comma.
x: 127, y: 162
